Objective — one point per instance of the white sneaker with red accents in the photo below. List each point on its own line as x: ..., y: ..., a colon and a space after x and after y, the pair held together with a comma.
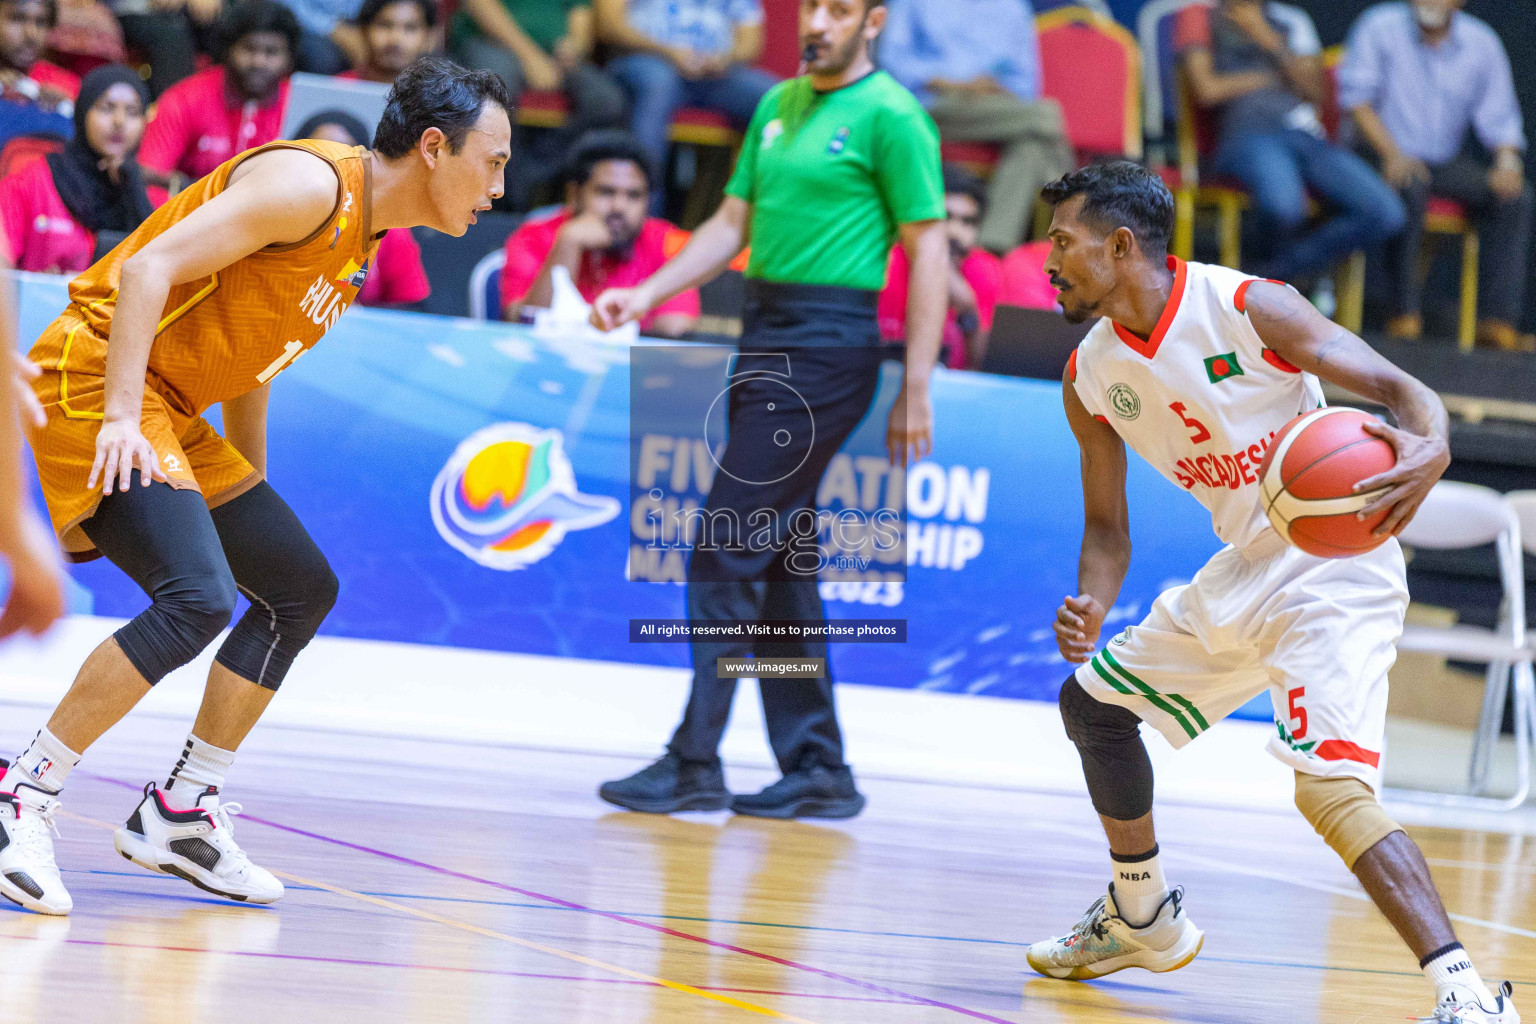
x: 197, y: 844
x: 28, y: 875
x: 1102, y: 942
x: 1458, y: 1006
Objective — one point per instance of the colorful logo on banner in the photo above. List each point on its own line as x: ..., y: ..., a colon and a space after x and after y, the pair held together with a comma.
x: 507, y: 496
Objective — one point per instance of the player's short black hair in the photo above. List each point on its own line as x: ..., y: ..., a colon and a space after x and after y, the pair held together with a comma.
x: 373, y: 8
x: 1120, y: 193
x: 434, y: 92
x: 250, y: 16
x: 343, y: 120
x: 965, y: 182
x: 609, y: 144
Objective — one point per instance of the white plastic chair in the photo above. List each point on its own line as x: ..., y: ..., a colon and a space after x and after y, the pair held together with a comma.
x: 491, y: 264
x: 1455, y: 516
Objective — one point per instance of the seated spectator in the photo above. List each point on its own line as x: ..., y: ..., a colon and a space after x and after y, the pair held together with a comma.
x: 395, y: 33
x: 396, y: 277
x: 329, y: 43
x: 544, y: 45
x: 1025, y: 282
x: 169, y: 34
x: 1263, y: 79
x: 24, y: 76
x: 975, y: 277
x: 231, y: 107
x: 86, y: 36
x: 602, y: 236
x: 65, y: 212
x: 975, y: 64
x: 695, y: 53
x: 1417, y: 78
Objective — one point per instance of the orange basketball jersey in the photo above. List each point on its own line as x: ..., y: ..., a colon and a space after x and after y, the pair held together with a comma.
x: 219, y: 338
x: 235, y: 330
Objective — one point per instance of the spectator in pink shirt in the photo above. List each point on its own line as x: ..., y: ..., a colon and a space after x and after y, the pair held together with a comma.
x: 602, y: 236
x: 234, y: 106
x: 63, y: 213
x: 24, y: 75
x: 396, y: 277
x: 975, y: 277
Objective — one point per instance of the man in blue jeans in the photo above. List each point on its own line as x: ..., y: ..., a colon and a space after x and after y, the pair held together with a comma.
x: 1256, y: 67
x: 679, y: 53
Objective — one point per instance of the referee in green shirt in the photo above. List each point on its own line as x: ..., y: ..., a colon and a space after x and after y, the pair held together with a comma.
x: 836, y: 165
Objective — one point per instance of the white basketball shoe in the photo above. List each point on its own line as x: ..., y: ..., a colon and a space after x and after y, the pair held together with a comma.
x: 197, y: 844
x: 28, y: 874
x: 1103, y: 942
x: 1458, y: 1006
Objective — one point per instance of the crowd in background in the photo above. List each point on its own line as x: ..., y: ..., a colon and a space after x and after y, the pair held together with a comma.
x: 172, y: 88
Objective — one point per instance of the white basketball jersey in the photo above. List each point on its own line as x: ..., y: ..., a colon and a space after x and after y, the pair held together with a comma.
x: 1201, y: 398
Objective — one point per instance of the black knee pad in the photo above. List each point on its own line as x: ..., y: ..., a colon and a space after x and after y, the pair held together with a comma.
x: 1094, y: 723
x: 286, y: 611
x: 185, y: 616
x: 1115, y: 762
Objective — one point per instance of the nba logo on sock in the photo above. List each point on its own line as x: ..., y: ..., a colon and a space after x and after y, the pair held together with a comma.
x: 41, y: 768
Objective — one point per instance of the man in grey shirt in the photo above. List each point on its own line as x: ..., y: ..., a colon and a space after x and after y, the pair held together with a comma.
x: 1255, y: 66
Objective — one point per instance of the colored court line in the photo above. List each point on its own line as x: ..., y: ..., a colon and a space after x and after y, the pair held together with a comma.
x: 575, y: 958
x: 622, y: 919
x: 555, y: 951
x: 870, y: 933
x: 395, y: 965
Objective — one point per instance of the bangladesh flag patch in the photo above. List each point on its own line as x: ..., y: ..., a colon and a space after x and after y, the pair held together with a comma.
x: 1219, y: 368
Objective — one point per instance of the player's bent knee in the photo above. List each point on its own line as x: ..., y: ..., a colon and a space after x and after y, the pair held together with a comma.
x: 284, y: 616
x: 184, y: 617
x: 1344, y: 812
x: 1092, y: 723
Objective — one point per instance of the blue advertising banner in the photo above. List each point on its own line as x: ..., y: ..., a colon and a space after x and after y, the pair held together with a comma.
x: 471, y: 484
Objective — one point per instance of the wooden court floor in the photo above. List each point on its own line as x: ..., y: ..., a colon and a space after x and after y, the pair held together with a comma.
x: 432, y: 883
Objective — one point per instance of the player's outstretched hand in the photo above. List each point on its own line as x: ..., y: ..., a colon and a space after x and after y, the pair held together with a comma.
x: 119, y: 447
x: 1077, y: 625
x: 37, y: 579
x: 1420, y: 461
x: 618, y: 306
x: 23, y: 372
x: 909, y: 430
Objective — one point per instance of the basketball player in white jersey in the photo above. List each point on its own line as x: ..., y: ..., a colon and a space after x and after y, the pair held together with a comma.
x: 1197, y: 367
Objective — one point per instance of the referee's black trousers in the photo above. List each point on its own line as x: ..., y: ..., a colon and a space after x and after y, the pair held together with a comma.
x: 735, y: 583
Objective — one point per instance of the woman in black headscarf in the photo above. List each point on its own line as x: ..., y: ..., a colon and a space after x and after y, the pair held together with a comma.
x: 64, y: 213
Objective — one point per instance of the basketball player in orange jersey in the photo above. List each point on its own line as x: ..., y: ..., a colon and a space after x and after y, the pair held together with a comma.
x: 213, y: 296
x: 1196, y: 367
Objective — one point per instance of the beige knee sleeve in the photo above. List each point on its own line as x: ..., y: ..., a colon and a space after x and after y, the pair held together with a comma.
x: 1345, y: 813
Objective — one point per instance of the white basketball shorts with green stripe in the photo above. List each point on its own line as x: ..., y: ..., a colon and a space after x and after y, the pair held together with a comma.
x: 1319, y: 634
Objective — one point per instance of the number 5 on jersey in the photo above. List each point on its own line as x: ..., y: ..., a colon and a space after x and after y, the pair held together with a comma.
x: 1200, y: 433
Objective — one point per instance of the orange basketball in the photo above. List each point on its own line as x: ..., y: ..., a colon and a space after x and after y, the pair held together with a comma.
x: 1307, y: 478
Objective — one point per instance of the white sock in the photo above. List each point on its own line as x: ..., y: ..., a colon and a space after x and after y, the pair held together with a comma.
x: 202, y: 765
x: 46, y: 763
x: 1450, y: 969
x: 1139, y: 886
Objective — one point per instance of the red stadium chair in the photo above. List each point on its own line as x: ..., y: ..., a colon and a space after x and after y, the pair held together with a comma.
x: 1448, y: 217
x: 781, y: 38
x: 1102, y: 110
